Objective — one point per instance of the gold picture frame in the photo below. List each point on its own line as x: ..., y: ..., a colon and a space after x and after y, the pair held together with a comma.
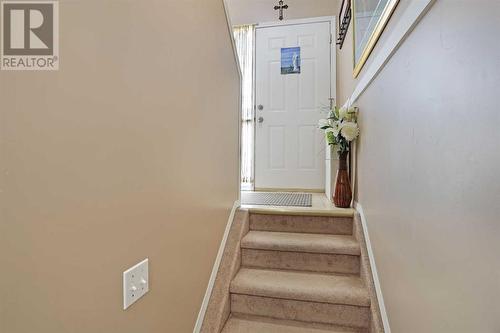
x: 378, y: 28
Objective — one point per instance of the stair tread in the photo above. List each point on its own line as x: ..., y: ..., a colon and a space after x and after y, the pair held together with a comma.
x: 303, y: 286
x: 301, y: 242
x: 236, y: 324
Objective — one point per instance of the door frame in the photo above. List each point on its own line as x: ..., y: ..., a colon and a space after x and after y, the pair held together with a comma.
x: 333, y: 84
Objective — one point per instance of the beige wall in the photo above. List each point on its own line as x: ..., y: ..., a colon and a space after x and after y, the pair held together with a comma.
x: 258, y: 11
x: 428, y: 162
x: 128, y: 151
x: 346, y: 82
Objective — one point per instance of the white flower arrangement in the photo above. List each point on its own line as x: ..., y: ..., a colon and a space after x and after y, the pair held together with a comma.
x: 341, y: 127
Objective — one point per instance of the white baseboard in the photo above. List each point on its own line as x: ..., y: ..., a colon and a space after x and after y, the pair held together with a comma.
x: 376, y: 282
x: 215, y: 269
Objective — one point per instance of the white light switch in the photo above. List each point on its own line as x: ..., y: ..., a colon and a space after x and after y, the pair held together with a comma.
x: 135, y: 283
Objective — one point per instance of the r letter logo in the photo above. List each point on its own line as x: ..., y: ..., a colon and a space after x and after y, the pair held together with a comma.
x: 30, y: 35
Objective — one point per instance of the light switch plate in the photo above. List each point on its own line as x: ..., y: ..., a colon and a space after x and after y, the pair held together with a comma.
x: 135, y: 283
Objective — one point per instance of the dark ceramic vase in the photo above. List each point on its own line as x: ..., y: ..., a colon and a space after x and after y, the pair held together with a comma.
x: 343, y: 194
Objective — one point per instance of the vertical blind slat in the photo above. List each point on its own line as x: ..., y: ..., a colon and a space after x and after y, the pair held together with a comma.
x: 244, y: 38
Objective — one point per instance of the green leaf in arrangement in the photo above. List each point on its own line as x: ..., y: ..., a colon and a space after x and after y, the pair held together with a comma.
x: 330, y: 138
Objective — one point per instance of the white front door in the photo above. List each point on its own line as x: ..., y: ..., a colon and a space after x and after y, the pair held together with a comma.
x: 289, y: 149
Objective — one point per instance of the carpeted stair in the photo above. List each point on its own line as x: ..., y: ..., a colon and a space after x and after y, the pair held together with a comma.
x: 299, y: 273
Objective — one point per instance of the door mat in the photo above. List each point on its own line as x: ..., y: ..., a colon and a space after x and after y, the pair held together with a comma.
x: 277, y: 199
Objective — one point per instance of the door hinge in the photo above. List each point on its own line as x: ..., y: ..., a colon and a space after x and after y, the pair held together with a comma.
x: 331, y: 38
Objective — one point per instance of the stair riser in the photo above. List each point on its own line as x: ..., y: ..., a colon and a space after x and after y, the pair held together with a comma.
x: 239, y: 323
x: 304, y: 224
x: 325, y: 313
x: 301, y: 261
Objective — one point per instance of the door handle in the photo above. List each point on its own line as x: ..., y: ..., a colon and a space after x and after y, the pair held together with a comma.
x: 260, y: 107
x: 261, y: 119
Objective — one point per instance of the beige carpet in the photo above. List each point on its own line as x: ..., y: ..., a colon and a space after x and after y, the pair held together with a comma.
x: 298, y: 274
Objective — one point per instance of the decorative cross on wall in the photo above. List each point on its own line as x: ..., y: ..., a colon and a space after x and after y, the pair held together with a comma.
x: 280, y: 7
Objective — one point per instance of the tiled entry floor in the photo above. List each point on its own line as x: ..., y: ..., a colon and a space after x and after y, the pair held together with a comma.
x: 320, y: 204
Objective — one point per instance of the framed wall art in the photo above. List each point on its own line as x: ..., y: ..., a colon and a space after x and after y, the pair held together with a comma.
x: 369, y: 20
